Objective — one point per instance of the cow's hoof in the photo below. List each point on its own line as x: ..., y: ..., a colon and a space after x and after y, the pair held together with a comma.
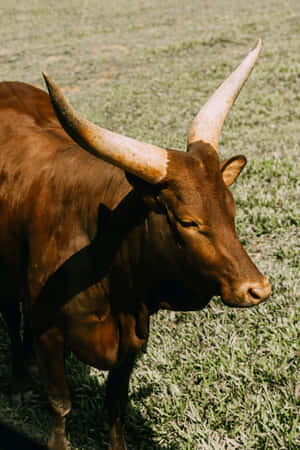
x: 117, y: 446
x: 117, y: 441
x: 58, y: 442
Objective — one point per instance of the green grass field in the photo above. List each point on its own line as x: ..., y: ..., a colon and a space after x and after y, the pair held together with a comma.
x: 220, y: 378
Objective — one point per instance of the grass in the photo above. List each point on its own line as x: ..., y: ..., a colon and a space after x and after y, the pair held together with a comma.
x: 221, y: 378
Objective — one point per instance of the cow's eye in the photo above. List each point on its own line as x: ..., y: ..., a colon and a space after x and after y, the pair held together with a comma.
x: 188, y: 223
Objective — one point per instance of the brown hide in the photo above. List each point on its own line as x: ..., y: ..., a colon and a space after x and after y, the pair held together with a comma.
x: 93, y: 252
x: 50, y: 194
x: 75, y: 233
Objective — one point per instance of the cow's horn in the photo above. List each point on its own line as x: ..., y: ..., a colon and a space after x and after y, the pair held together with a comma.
x: 138, y: 158
x: 208, y: 123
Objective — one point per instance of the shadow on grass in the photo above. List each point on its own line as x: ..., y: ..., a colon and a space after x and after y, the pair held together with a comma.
x: 27, y: 425
x: 88, y: 422
x: 11, y: 438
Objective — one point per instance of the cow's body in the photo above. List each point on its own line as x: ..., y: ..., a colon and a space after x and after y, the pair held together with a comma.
x: 62, y: 208
x: 42, y: 173
x: 92, y: 250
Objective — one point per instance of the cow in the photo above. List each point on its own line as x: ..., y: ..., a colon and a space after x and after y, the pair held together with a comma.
x: 99, y: 231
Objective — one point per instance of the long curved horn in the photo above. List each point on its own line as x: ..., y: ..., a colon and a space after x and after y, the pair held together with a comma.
x: 208, y: 123
x: 143, y: 160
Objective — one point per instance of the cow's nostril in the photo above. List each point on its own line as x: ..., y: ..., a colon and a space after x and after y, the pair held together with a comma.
x: 255, y: 293
x: 261, y: 291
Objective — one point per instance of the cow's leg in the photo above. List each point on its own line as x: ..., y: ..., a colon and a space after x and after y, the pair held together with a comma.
x: 28, y: 349
x: 50, y: 355
x: 116, y: 402
x: 12, y: 316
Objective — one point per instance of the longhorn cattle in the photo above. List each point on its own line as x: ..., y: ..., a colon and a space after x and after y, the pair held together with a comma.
x: 98, y: 234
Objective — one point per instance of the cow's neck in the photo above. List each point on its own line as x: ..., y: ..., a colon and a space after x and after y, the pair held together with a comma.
x: 144, y: 258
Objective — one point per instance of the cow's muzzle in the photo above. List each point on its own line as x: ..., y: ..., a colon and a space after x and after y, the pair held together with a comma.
x: 249, y: 293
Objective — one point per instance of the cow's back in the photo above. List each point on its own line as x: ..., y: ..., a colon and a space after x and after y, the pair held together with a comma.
x: 23, y: 100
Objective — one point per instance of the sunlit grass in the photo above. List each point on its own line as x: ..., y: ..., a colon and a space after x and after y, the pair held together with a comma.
x: 220, y: 378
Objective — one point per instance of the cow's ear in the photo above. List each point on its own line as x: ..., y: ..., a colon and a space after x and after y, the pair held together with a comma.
x: 232, y: 167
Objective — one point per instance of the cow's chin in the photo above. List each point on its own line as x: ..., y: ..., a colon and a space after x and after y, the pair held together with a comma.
x: 193, y: 302
x: 183, y: 295
x: 239, y: 303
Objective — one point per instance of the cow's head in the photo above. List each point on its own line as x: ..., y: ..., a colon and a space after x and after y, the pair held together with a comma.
x: 190, y: 188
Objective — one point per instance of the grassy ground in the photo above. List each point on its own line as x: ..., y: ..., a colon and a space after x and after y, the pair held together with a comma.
x: 222, y: 378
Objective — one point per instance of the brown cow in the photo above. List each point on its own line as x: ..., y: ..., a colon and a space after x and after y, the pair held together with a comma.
x: 94, y: 242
